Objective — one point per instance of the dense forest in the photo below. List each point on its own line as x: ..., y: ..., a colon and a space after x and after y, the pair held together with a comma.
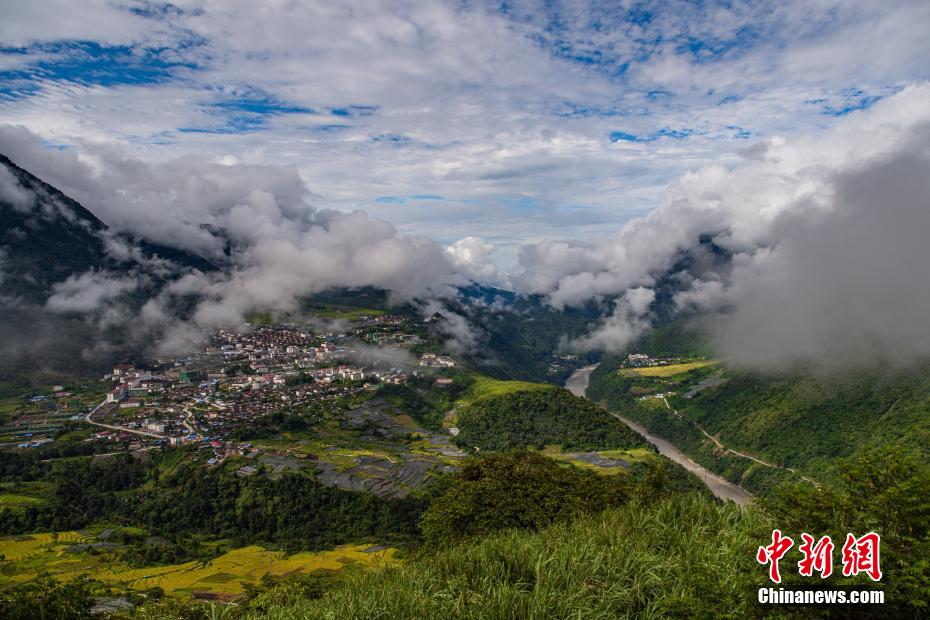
x: 184, y: 500
x: 800, y: 420
x: 517, y: 490
x: 536, y: 418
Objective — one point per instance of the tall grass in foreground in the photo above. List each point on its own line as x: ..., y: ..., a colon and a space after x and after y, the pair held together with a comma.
x: 683, y: 556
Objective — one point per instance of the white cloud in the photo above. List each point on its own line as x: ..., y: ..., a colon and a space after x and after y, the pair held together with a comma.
x: 89, y: 292
x: 474, y: 258
x: 499, y: 113
x: 825, y: 236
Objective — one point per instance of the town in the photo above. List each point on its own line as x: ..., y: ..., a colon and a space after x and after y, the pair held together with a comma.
x: 209, y: 398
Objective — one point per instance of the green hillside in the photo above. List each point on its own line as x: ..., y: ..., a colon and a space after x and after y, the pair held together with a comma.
x: 802, y: 420
x: 538, y: 416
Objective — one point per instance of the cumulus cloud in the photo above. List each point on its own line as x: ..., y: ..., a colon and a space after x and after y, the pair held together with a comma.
x: 474, y: 258
x: 823, y: 239
x: 501, y: 105
x: 628, y: 320
x: 847, y: 285
x: 541, y: 126
x: 256, y: 222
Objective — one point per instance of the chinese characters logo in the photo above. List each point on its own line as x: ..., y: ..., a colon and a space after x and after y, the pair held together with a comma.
x: 859, y: 555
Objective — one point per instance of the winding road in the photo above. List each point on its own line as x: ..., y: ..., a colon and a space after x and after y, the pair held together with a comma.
x: 577, y: 384
x: 737, y: 452
x: 118, y: 428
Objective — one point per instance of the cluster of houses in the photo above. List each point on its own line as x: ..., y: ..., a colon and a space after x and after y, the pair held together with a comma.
x: 639, y: 360
x: 202, y: 398
x: 432, y: 360
x: 205, y: 396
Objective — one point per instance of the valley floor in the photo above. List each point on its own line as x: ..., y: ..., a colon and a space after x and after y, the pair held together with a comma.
x: 577, y: 384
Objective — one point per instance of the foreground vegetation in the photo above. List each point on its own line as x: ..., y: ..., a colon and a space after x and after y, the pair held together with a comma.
x: 673, y: 557
x: 651, y: 552
x: 662, y: 554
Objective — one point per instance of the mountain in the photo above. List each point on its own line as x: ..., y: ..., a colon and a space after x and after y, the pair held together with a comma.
x: 808, y: 419
x: 47, y: 237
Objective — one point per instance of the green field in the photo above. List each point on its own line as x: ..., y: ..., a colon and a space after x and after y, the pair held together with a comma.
x: 486, y: 387
x: 12, y: 500
x: 668, y: 371
x: 349, y: 313
x: 631, y: 455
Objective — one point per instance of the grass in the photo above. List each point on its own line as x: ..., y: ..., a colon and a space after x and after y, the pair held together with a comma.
x: 486, y: 387
x: 682, y: 557
x: 333, y: 311
x: 670, y: 370
x: 632, y: 455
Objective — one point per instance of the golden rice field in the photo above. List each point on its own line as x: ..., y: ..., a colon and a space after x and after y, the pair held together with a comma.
x: 12, y: 500
x: 670, y: 370
x: 27, y: 556
x: 15, y: 548
x: 227, y: 573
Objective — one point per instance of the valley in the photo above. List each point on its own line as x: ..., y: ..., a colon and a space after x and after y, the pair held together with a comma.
x: 200, y: 472
x: 577, y: 384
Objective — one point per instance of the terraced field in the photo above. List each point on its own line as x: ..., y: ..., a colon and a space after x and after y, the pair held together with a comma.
x: 227, y: 573
x: 670, y: 370
x: 13, y: 500
x: 56, y: 553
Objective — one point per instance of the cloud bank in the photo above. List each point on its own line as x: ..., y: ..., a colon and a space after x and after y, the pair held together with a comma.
x: 827, y: 239
x: 257, y: 223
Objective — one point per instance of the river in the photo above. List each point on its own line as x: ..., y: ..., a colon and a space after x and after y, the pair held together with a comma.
x: 577, y: 384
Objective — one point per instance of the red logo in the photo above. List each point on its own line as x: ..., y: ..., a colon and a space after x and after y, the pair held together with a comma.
x: 860, y: 555
x: 773, y: 553
x: 817, y: 557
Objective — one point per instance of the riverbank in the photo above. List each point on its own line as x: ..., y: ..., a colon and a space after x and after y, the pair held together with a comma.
x: 577, y: 384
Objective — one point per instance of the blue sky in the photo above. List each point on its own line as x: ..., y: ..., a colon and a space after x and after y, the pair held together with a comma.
x: 509, y: 121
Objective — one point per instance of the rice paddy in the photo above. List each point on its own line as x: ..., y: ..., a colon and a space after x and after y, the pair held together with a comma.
x: 670, y: 370
x: 12, y: 500
x: 227, y: 573
x: 26, y: 557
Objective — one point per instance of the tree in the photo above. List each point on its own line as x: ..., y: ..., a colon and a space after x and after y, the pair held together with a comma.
x: 47, y: 599
x: 516, y: 490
